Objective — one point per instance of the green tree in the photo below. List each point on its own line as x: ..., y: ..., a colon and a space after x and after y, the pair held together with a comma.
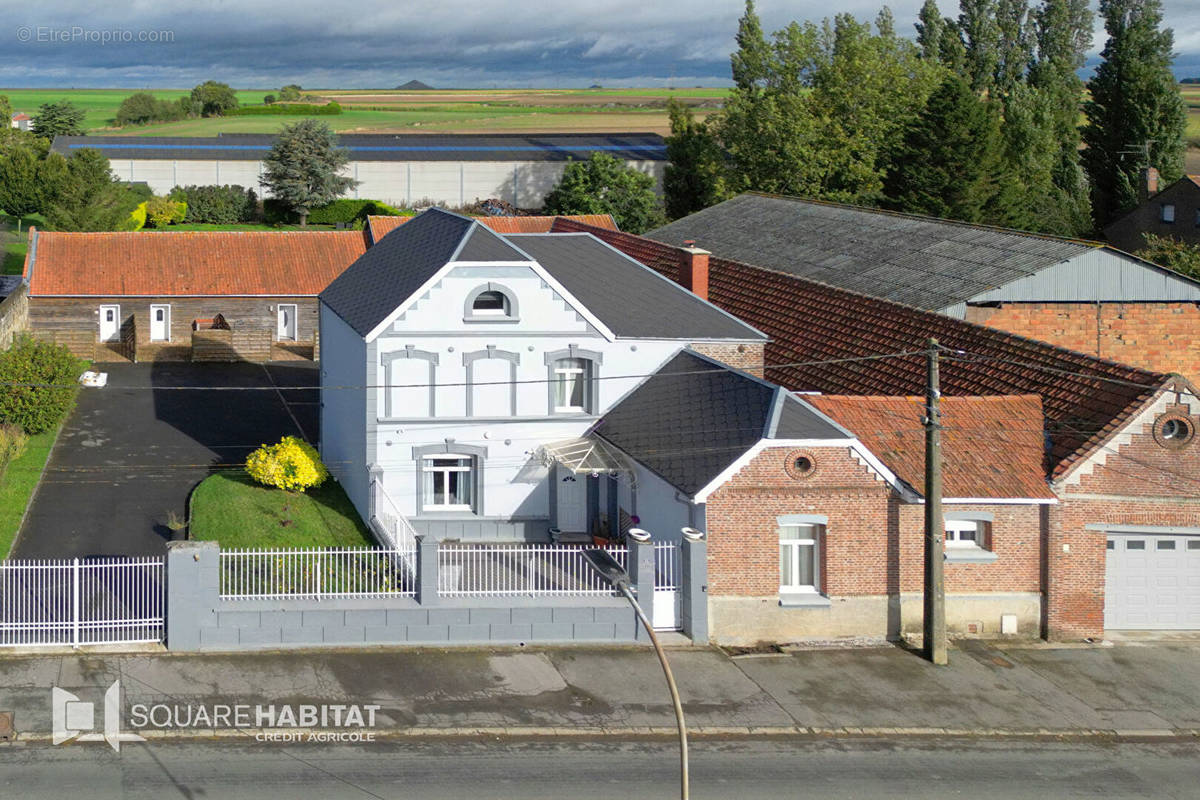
x: 931, y: 27
x: 269, y: 99
x: 213, y: 99
x: 1014, y: 44
x: 605, y: 185
x: 143, y: 107
x: 29, y: 182
x: 695, y: 174
x: 90, y: 199
x: 291, y: 92
x: 1063, y: 34
x: 948, y: 164
x: 63, y: 118
x: 301, y: 170
x: 1173, y: 254
x: 1136, y: 117
x: 981, y: 36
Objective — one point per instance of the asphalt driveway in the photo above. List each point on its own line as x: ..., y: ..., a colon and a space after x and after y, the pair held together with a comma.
x: 133, y: 451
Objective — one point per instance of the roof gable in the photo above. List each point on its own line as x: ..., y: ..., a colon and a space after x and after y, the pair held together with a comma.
x: 839, y: 342
x: 389, y: 273
x: 482, y: 244
x: 188, y: 264
x: 694, y: 417
x: 992, y: 447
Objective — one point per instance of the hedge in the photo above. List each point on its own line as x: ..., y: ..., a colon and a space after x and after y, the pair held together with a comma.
x: 41, y: 380
x: 348, y: 211
x: 292, y: 109
x: 217, y: 205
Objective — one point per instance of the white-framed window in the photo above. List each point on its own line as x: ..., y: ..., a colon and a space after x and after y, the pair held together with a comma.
x: 490, y: 302
x: 1167, y: 213
x: 571, y: 379
x: 799, y: 559
x: 449, y: 482
x: 965, y: 533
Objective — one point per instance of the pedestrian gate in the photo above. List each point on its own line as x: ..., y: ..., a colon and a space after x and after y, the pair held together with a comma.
x: 81, y: 601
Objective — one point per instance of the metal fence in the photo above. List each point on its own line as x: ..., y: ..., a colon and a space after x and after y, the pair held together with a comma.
x: 317, y: 573
x: 497, y: 570
x: 77, y: 602
x: 395, y: 529
x: 666, y: 566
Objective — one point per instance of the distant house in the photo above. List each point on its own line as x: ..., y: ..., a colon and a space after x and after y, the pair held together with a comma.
x: 193, y: 296
x: 1085, y: 296
x: 1174, y: 213
x: 399, y: 169
x: 22, y: 122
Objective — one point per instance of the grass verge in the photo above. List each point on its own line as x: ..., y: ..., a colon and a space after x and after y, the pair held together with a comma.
x: 18, y: 483
x: 233, y: 510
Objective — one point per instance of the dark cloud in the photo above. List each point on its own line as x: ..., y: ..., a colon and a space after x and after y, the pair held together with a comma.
x: 380, y: 43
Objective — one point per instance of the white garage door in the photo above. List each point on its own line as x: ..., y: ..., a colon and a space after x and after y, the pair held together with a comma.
x: 1152, y: 582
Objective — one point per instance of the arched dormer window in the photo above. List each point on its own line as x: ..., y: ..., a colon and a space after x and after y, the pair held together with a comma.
x: 490, y: 302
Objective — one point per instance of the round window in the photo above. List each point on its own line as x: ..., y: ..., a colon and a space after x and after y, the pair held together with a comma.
x: 1174, y: 430
x: 799, y: 464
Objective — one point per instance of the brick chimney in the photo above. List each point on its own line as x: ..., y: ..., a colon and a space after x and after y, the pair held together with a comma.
x: 1149, y: 183
x: 693, y: 272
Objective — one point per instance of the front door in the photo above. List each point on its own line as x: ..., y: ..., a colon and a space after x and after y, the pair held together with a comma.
x: 287, y: 323
x: 110, y: 323
x: 160, y: 323
x: 572, y: 502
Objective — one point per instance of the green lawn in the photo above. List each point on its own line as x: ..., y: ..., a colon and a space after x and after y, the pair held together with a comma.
x: 232, y: 509
x: 13, y: 244
x: 17, y: 485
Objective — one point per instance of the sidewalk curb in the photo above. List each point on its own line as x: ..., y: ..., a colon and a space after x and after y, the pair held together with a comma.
x: 654, y: 731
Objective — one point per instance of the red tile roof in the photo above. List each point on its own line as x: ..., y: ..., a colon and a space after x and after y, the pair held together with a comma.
x: 183, y: 264
x: 1085, y: 399
x: 992, y: 447
x: 381, y: 226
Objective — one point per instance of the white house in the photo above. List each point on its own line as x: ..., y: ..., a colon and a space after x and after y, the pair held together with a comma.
x: 460, y: 369
x: 21, y: 121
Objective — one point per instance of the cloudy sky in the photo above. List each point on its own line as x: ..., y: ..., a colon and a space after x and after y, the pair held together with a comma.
x: 381, y: 43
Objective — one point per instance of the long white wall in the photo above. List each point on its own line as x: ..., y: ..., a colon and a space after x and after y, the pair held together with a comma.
x: 405, y: 183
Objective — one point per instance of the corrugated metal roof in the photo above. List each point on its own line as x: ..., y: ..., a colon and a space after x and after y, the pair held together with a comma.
x: 920, y: 261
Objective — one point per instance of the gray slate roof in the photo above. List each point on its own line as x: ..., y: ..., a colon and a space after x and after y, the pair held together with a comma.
x: 394, y: 268
x: 629, y: 298
x: 694, y: 417
x: 382, y: 147
x: 922, y: 261
x: 633, y: 300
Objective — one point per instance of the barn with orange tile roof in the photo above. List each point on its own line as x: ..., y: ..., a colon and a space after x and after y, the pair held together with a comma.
x: 188, y: 295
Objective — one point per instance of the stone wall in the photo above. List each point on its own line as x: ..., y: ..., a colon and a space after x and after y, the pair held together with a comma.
x: 14, y: 316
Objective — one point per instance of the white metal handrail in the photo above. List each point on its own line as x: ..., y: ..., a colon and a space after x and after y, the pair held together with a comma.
x: 316, y: 573
x: 396, y: 528
x: 534, y: 570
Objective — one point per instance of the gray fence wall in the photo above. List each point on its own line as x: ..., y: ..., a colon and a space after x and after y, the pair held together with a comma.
x: 198, y: 619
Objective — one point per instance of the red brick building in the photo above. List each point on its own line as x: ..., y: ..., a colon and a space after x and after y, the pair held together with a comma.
x: 1120, y: 452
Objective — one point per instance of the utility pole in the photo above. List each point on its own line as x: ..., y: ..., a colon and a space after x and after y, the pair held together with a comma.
x: 935, y: 530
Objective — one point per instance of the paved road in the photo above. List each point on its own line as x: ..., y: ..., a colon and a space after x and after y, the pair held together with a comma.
x: 134, y: 450
x: 533, y: 770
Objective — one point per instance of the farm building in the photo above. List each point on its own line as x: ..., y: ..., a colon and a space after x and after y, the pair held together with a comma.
x: 209, y: 296
x: 404, y: 169
x: 1085, y: 296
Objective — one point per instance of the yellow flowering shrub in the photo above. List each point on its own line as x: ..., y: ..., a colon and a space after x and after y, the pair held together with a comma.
x: 293, y: 464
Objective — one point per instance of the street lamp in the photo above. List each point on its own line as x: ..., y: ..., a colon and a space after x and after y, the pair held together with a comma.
x: 603, y: 562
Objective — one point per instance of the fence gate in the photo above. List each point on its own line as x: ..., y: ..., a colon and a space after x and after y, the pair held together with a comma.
x: 666, y: 587
x: 81, y: 601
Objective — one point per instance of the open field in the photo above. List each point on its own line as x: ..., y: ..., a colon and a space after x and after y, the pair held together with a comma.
x: 378, y: 111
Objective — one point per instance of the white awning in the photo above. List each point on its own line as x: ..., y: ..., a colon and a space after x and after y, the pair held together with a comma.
x: 586, y: 455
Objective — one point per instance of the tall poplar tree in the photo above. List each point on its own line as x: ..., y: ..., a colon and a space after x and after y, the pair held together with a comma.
x: 1136, y: 117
